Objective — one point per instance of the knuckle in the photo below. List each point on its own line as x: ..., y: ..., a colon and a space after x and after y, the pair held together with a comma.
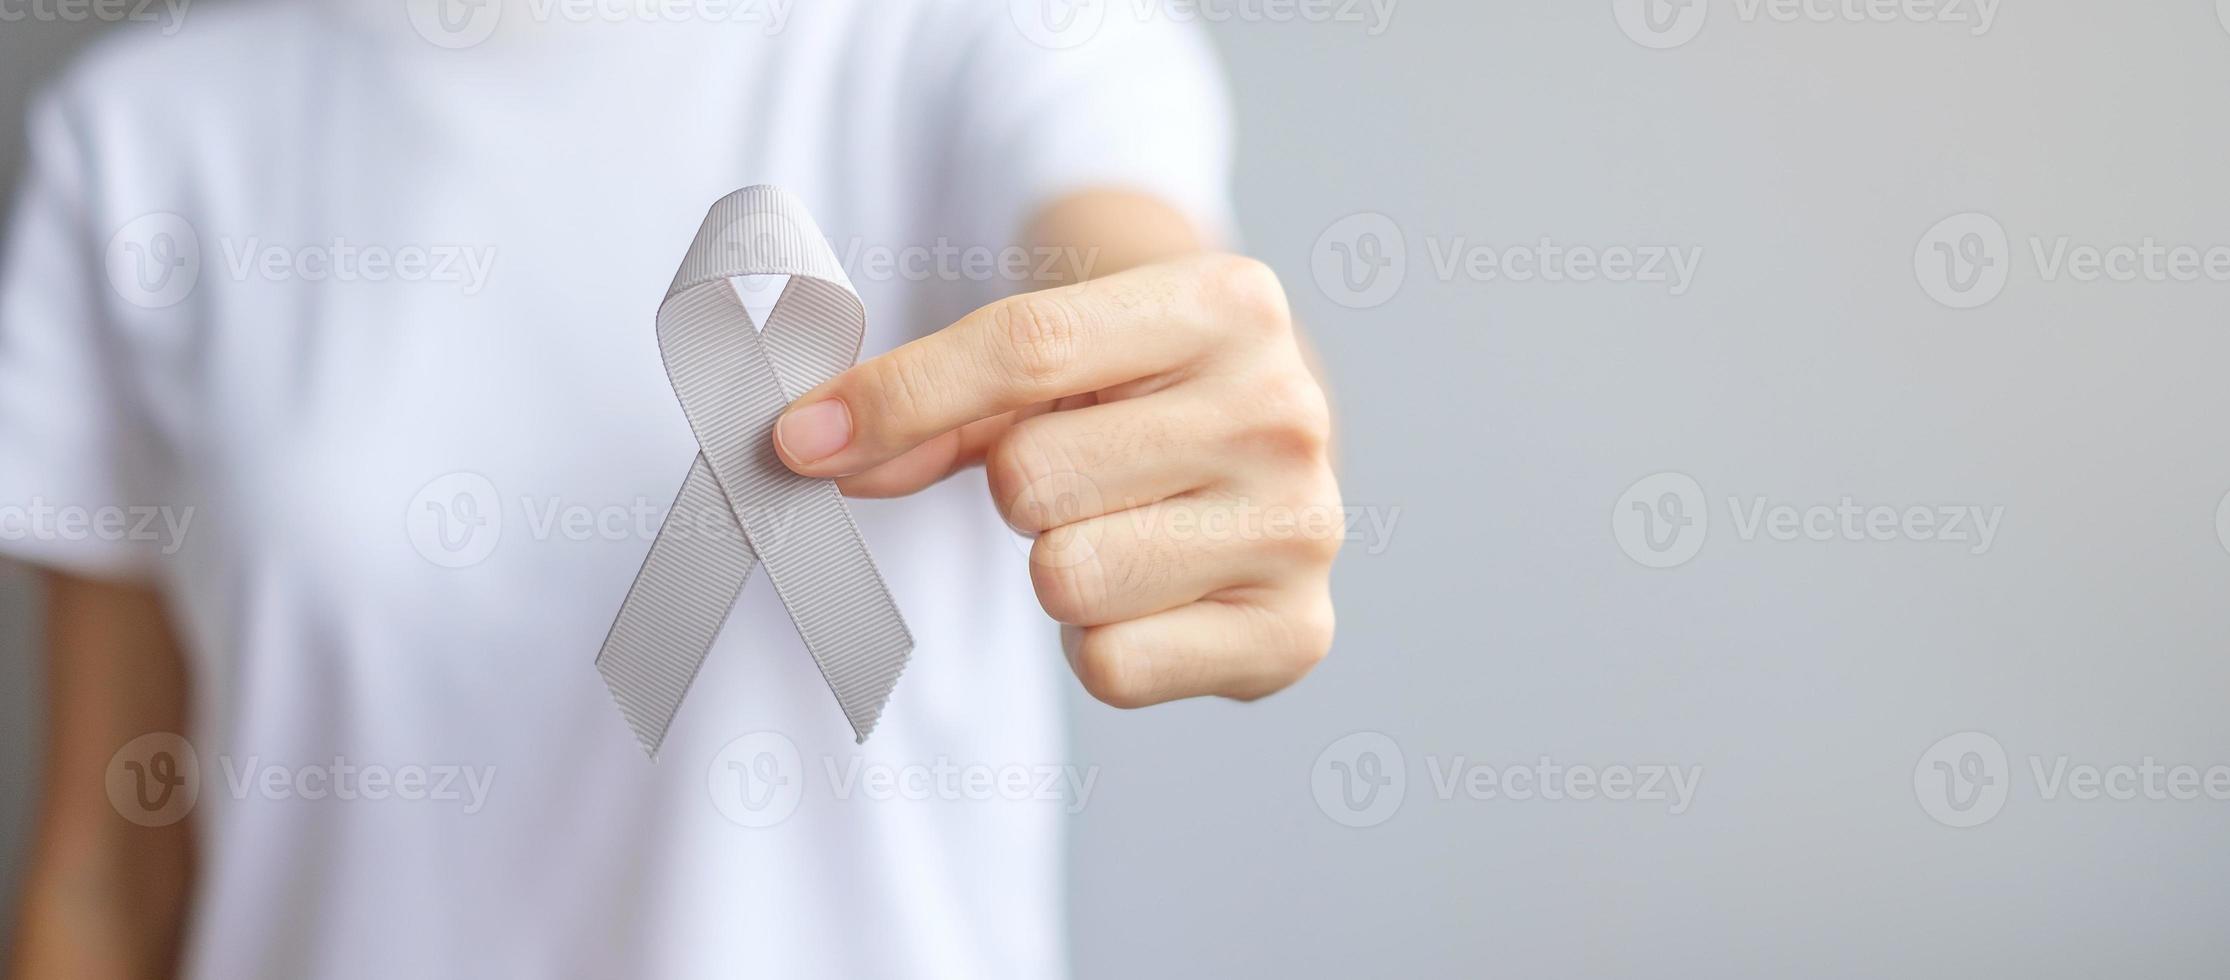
x: 1040, y: 335
x: 1113, y: 673
x: 1249, y: 287
x: 1314, y: 627
x: 1071, y: 587
x: 1327, y: 535
x: 1036, y: 482
x: 1323, y: 549
x: 1296, y: 419
x: 1314, y: 540
x: 1018, y: 470
x: 1303, y: 638
x: 896, y: 389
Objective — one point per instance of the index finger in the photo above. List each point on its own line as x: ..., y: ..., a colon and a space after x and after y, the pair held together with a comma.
x: 1017, y: 352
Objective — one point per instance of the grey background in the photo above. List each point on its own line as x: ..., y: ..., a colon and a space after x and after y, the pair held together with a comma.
x: 1504, y: 622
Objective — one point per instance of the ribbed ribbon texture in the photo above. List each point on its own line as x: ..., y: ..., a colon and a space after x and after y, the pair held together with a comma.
x: 740, y: 507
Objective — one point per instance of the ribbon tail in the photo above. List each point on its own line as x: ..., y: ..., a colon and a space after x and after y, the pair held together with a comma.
x: 673, y: 612
x: 843, y: 611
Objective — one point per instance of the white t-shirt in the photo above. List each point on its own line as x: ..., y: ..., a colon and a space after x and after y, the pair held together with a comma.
x: 343, y: 339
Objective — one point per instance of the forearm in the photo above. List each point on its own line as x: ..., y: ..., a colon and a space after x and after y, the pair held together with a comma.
x: 102, y: 918
x: 105, y: 897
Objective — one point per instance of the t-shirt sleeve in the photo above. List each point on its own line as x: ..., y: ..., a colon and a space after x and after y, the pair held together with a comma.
x: 1111, y: 99
x: 70, y: 497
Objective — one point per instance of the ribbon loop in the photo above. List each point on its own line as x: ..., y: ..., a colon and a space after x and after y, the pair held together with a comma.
x: 734, y: 380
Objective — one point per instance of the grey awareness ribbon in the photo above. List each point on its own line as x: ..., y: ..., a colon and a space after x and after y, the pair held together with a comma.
x: 740, y: 506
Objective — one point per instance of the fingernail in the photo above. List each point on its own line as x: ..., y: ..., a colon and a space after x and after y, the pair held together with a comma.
x: 815, y: 432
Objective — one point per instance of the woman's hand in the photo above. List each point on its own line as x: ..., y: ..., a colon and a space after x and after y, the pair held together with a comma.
x: 1159, y: 431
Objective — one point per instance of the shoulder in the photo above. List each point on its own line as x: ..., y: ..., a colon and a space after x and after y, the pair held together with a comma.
x: 173, y: 61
